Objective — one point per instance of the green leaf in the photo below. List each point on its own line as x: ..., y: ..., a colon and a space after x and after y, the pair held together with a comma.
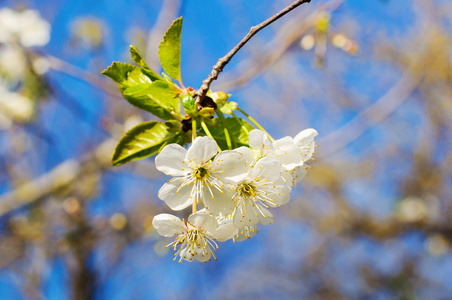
x: 157, y: 97
x: 170, y: 50
x: 136, y: 56
x: 134, y: 90
x: 159, y: 92
x: 142, y: 141
x: 118, y: 71
x: 238, y: 134
x: 133, y: 85
x: 134, y: 77
x: 167, y: 79
x: 138, y: 90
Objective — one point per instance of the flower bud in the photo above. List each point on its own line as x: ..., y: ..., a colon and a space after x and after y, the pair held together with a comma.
x: 188, y: 102
x: 207, y: 112
x: 323, y: 23
x: 219, y: 97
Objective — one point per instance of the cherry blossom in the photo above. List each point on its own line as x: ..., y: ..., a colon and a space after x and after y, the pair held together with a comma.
x: 13, y: 108
x: 197, y: 236
x: 26, y: 28
x: 197, y: 178
x: 262, y: 188
x: 285, y: 150
x: 237, y: 188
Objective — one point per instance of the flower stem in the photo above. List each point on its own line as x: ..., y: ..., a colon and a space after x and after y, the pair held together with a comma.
x: 227, y: 132
x: 256, y: 123
x: 241, y: 123
x: 193, y: 130
x: 207, y: 131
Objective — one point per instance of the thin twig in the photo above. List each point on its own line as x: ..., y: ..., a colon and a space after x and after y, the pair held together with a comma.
x: 371, y: 116
x: 222, y: 62
x: 287, y: 35
x: 62, y: 66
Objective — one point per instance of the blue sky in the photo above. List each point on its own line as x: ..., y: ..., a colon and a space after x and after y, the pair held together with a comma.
x: 210, y: 31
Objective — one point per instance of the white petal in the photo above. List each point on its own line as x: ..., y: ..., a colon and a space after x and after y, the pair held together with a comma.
x: 171, y: 161
x: 176, y: 194
x: 265, y: 216
x: 299, y: 172
x: 275, y: 195
x: 218, y: 202
x: 202, y: 220
x: 247, y: 154
x: 194, y: 251
x: 267, y: 168
x: 305, y: 142
x: 259, y: 141
x: 225, y: 231
x: 246, y: 214
x: 203, y: 254
x: 305, y: 137
x: 246, y: 232
x: 202, y: 150
x: 256, y: 138
x: 185, y: 253
x: 168, y: 225
x: 288, y: 155
x: 283, y: 141
x: 230, y: 167
x: 287, y: 177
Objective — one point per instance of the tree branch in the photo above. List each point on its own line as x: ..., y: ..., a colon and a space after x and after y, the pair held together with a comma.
x: 291, y: 32
x: 58, y: 178
x: 222, y: 62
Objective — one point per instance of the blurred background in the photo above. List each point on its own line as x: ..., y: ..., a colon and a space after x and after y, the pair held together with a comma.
x: 371, y: 220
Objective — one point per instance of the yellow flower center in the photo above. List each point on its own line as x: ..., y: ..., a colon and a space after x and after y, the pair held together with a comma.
x: 200, y: 173
x: 246, y: 190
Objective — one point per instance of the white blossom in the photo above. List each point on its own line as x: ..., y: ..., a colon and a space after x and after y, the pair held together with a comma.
x: 196, y: 178
x: 306, y: 145
x: 284, y: 150
x: 262, y: 188
x: 13, y: 62
x: 26, y: 28
x: 197, y: 236
x: 237, y: 188
x: 14, y: 108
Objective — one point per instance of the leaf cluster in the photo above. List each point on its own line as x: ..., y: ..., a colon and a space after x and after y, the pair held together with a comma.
x: 161, y: 96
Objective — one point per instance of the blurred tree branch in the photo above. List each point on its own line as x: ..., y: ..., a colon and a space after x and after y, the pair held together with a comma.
x: 58, y: 178
x: 289, y: 34
x: 170, y: 10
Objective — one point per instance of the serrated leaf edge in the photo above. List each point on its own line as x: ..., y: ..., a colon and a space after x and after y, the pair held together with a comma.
x: 163, y: 40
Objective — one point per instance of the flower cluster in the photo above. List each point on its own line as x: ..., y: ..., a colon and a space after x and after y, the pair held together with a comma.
x: 26, y: 28
x: 20, y: 30
x: 236, y: 187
